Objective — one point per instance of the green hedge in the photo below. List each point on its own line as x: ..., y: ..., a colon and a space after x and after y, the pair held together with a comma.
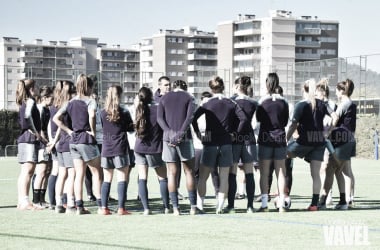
x: 9, y: 127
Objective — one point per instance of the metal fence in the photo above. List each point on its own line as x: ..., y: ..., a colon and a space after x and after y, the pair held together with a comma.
x: 364, y: 70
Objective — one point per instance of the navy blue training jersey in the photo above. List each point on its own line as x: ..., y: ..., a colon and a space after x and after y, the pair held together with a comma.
x: 249, y: 107
x: 115, y: 139
x: 273, y: 115
x: 220, y: 113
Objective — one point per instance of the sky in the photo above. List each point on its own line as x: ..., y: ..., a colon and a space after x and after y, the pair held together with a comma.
x: 125, y: 22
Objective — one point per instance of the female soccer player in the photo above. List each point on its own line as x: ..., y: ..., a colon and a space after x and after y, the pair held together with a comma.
x: 148, y: 148
x: 83, y: 148
x: 66, y: 171
x: 52, y: 131
x: 308, y: 118
x: 116, y: 122
x: 217, y: 142
x: 273, y: 115
x: 30, y: 123
x: 343, y: 139
x: 244, y: 145
x: 44, y: 160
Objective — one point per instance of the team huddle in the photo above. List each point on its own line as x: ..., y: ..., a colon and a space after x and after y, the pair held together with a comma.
x: 65, y: 133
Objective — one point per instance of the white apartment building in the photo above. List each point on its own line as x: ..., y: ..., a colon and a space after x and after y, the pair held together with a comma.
x: 256, y: 46
x: 119, y: 66
x: 187, y: 54
x: 45, y: 63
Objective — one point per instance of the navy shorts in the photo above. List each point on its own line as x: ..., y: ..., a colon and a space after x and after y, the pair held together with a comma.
x: 65, y: 159
x: 244, y: 153
x: 150, y: 160
x: 119, y: 161
x: 346, y: 151
x: 272, y: 153
x: 182, y: 152
x: 309, y: 153
x: 217, y: 156
x: 85, y: 152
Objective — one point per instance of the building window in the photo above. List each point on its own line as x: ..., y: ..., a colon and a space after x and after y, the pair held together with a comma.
x: 173, y: 51
x: 9, y: 81
x: 9, y: 70
x: 9, y: 48
x: 180, y: 40
x: 9, y: 60
x: 172, y: 73
x: 80, y: 62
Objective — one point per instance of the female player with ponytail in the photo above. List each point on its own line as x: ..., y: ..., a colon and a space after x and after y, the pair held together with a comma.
x: 148, y: 148
x: 83, y: 148
x: 116, y: 122
x: 30, y: 123
x: 308, y: 120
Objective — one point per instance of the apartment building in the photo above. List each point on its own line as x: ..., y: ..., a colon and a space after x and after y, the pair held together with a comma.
x: 186, y: 54
x: 277, y: 43
x: 121, y: 67
x: 45, y: 63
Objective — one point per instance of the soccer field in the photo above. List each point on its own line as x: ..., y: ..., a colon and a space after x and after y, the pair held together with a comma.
x: 296, y: 229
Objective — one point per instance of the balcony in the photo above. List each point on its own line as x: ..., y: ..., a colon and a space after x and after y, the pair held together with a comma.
x: 146, y: 47
x: 30, y: 54
x: 308, y: 31
x: 201, y: 46
x: 201, y: 57
x: 247, y: 32
x: 201, y: 68
x: 239, y: 45
x: 311, y: 44
x: 243, y: 57
x: 112, y: 58
x: 303, y: 56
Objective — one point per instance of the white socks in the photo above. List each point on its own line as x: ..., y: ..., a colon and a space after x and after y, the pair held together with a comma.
x: 264, y: 200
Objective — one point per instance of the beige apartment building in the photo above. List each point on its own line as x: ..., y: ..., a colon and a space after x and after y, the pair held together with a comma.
x: 186, y: 54
x: 278, y: 43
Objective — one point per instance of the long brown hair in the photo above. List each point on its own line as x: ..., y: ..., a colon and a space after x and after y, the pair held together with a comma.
x: 67, y: 90
x: 23, y: 90
x: 309, y: 88
x: 57, y: 93
x: 45, y: 91
x: 142, y: 111
x: 112, y: 104
x: 84, y: 85
x: 347, y: 86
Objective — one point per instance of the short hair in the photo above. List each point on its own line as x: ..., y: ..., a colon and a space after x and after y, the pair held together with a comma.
x: 164, y: 78
x: 347, y: 86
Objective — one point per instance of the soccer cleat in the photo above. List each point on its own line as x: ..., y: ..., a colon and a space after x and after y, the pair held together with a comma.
x: 351, y: 204
x: 28, y: 206
x: 229, y: 210
x: 195, y: 211
x: 71, y: 210
x: 91, y: 198
x: 147, y: 212
x: 250, y: 210
x: 262, y: 209
x: 219, y: 211
x: 282, y: 210
x: 82, y: 211
x: 312, y: 208
x: 60, y: 209
x: 341, y: 206
x: 123, y: 211
x: 166, y: 210
x: 180, y: 196
x: 104, y: 211
x: 176, y: 211
x: 322, y: 206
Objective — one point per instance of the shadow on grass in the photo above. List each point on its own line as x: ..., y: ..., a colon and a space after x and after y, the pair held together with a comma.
x: 23, y: 236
